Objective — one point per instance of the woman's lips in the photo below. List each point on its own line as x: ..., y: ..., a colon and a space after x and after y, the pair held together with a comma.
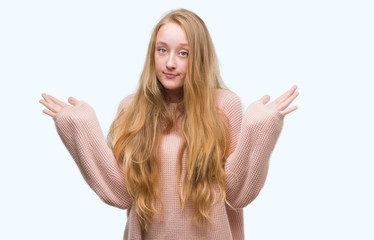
x: 170, y: 75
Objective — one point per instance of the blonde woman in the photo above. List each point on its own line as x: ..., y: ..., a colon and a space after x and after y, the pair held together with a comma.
x: 180, y: 155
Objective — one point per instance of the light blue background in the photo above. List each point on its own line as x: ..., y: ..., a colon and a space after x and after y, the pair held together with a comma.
x: 320, y: 183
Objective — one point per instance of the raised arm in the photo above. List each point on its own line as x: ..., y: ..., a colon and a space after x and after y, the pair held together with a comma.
x: 253, y: 139
x: 80, y: 131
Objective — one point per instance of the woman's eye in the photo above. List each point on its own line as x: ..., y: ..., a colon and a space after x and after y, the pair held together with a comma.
x: 184, y: 54
x: 162, y: 50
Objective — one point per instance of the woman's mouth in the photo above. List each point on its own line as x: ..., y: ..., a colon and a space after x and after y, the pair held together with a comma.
x: 170, y: 75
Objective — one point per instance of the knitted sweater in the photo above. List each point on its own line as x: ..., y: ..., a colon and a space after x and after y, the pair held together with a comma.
x: 253, y: 137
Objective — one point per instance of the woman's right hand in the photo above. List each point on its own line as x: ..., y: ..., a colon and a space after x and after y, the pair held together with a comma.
x: 54, y: 106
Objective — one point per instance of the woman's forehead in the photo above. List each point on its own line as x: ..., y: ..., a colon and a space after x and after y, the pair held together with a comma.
x: 171, y: 33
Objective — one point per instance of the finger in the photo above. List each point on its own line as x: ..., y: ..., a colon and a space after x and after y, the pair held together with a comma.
x: 265, y: 99
x: 46, y: 98
x: 50, y: 102
x: 288, y: 101
x: 286, y: 94
x: 57, y: 101
x: 49, y: 113
x: 288, y: 110
x: 48, y: 105
x: 73, y: 101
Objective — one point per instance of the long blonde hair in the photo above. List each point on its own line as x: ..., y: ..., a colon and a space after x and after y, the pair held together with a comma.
x: 135, y: 134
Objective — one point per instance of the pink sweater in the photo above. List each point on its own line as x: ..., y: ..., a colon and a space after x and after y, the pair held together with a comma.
x: 253, y: 139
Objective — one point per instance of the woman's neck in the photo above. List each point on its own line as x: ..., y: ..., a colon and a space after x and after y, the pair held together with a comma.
x: 174, y: 96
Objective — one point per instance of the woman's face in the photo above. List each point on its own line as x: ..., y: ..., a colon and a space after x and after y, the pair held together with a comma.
x: 171, y: 59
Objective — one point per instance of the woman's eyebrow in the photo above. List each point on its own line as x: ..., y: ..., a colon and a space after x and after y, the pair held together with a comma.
x: 160, y: 43
x: 164, y: 43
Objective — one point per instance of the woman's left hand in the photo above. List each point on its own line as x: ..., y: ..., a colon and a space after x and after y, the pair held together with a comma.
x: 282, y: 102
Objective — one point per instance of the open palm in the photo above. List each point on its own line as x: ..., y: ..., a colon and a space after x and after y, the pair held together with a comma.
x: 54, y: 105
x: 282, y: 102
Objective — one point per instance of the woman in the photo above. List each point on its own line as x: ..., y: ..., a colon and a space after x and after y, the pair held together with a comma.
x: 180, y: 155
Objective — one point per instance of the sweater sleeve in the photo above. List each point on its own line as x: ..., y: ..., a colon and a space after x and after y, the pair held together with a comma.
x: 253, y: 138
x: 80, y: 132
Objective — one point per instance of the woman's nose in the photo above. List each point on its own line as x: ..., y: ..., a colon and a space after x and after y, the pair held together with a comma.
x: 170, y: 64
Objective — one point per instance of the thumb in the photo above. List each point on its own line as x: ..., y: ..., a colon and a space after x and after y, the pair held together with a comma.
x: 73, y: 101
x: 265, y: 99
